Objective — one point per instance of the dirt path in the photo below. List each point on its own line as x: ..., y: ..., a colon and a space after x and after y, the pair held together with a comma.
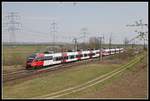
x: 132, y: 84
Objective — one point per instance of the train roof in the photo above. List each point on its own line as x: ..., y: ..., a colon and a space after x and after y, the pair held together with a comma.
x: 72, y: 53
x: 106, y: 49
x: 48, y: 52
x: 117, y: 48
x: 51, y: 53
x: 57, y: 54
x: 86, y: 51
x: 112, y: 49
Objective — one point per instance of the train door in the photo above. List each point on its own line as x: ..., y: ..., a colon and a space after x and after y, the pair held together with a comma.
x: 48, y: 60
x: 79, y: 55
x: 90, y: 54
x: 64, y: 57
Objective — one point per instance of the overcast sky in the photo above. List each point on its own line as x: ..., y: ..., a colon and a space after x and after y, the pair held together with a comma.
x: 100, y: 18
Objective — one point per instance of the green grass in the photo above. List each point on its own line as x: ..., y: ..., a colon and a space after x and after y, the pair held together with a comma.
x: 48, y: 83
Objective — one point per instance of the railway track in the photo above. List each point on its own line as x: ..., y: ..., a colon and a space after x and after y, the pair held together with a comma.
x: 92, y: 82
x: 26, y: 73
x: 15, y: 72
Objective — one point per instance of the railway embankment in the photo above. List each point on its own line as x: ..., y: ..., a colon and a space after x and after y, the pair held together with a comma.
x: 84, y: 76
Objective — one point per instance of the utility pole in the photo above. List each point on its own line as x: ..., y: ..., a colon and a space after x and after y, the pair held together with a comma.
x: 133, y: 43
x: 12, y: 25
x: 100, y: 47
x: 53, y: 31
x: 142, y: 34
x: 125, y: 42
x: 103, y: 42
x: 84, y: 32
x: 75, y: 44
x: 110, y: 39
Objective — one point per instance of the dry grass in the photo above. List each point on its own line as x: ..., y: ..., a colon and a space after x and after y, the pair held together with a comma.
x: 17, y: 55
x: 48, y: 83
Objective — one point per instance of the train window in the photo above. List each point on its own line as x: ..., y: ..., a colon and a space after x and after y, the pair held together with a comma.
x: 60, y: 58
x: 71, y: 57
x: 39, y: 59
x: 66, y: 57
x: 31, y: 56
x: 97, y: 52
x: 77, y: 56
x: 48, y: 58
x: 89, y: 54
x: 85, y: 55
x: 93, y: 54
x: 81, y: 55
x: 57, y: 58
x: 29, y: 60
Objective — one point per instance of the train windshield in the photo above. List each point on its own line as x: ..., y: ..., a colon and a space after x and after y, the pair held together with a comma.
x: 31, y: 57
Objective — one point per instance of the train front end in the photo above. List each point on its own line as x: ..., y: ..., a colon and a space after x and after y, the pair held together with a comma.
x: 34, y: 61
x: 30, y: 60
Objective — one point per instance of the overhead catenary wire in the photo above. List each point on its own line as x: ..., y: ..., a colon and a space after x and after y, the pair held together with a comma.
x: 44, y: 35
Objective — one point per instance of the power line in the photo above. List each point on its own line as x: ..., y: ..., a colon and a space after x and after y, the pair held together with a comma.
x: 75, y: 44
x: 138, y: 24
x: 34, y: 31
x: 100, y: 45
x: 41, y: 34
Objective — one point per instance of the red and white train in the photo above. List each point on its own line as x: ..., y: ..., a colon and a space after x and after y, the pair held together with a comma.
x: 39, y: 60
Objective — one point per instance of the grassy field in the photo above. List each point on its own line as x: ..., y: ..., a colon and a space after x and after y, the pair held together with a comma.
x: 48, y: 83
x: 86, y: 93
x: 17, y: 55
x: 51, y: 82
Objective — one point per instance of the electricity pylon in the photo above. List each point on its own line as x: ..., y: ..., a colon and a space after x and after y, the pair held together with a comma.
x: 12, y: 25
x: 141, y: 34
